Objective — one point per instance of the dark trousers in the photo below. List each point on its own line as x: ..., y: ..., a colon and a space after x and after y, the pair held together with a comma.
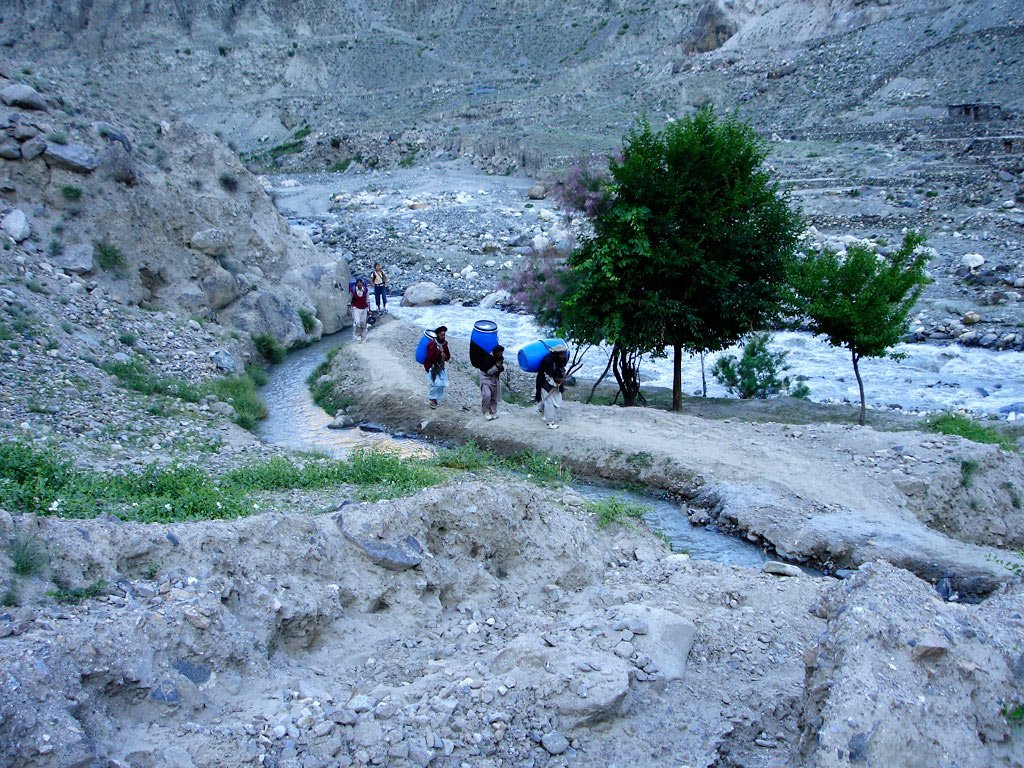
x: 380, y: 292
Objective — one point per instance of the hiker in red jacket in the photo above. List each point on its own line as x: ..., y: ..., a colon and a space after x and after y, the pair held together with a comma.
x: 360, y: 310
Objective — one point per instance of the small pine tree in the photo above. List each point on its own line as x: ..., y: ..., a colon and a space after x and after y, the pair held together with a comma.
x: 756, y: 374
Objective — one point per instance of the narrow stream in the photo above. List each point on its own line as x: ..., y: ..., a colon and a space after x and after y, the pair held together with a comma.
x: 296, y: 422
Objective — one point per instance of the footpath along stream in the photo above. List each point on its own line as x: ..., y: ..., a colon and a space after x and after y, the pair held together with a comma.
x: 297, y: 422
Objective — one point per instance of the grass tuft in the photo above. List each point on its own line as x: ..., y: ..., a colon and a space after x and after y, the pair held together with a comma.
x: 969, y: 429
x: 615, y: 509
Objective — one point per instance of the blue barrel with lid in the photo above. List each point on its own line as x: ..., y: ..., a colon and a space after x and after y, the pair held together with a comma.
x: 531, y: 357
x: 482, y: 342
x: 421, y: 349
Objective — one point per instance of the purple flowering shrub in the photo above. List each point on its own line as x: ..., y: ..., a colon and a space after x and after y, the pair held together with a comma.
x: 539, y: 284
x: 585, y: 187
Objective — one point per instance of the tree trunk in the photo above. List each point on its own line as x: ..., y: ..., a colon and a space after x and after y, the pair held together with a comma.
x: 625, y: 368
x: 860, y: 385
x: 600, y: 379
x: 677, y: 377
x: 703, y: 378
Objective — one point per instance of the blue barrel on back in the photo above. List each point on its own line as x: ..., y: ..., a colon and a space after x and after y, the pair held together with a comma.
x: 532, y: 355
x: 481, y: 342
x: 352, y: 283
x: 421, y: 349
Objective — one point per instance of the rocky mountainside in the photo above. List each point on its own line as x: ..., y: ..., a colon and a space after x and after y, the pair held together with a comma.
x: 521, y: 83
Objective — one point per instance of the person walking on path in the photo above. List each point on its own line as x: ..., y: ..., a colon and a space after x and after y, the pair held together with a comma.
x: 490, y: 382
x: 360, y: 310
x: 437, y: 355
x: 550, y: 381
x: 380, y: 286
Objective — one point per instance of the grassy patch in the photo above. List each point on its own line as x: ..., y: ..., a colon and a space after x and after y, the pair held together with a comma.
x: 71, y: 192
x: 969, y: 429
x: 615, y: 509
x: 468, y: 456
x: 539, y: 467
x: 322, y: 389
x: 269, y: 347
x: 134, y: 375
x: 78, y: 594
x: 41, y: 481
x: 240, y: 392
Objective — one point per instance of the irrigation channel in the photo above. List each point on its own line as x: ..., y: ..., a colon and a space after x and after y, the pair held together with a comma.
x: 296, y: 422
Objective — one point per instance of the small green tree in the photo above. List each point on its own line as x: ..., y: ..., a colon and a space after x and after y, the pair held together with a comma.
x: 862, y: 300
x: 757, y: 374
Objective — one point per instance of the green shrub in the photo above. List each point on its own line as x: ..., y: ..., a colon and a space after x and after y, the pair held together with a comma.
x: 28, y: 557
x: 127, y: 338
x: 467, y: 456
x: 55, y: 248
x: 269, y: 347
x: 969, y: 429
x: 615, y: 509
x: 78, y: 594
x: 71, y: 192
x: 240, y: 392
x: 539, y: 467
x: 308, y: 318
x: 756, y: 373
x: 968, y: 469
x: 57, y: 137
x: 109, y: 256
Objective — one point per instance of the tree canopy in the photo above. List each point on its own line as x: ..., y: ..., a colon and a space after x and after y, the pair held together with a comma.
x: 694, y: 249
x: 861, y: 300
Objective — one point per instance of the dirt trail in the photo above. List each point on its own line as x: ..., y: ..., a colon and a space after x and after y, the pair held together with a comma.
x: 838, y: 495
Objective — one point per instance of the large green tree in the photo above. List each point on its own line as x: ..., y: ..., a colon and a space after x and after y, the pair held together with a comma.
x: 862, y: 300
x: 712, y: 239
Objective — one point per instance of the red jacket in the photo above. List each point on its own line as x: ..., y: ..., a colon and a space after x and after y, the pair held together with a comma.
x: 436, y: 353
x: 360, y: 302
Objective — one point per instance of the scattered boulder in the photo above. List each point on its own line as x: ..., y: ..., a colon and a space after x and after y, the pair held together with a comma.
x: 15, y: 225
x: 24, y: 96
x: 74, y: 157
x: 76, y: 259
x: 423, y: 294
x: 213, y: 241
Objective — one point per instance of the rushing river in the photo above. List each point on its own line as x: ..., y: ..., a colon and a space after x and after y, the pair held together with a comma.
x: 929, y: 378
x: 296, y: 422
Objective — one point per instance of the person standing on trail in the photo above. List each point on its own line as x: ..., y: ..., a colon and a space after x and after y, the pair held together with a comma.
x: 380, y: 286
x: 437, y: 355
x: 490, y: 382
x: 550, y: 382
x: 360, y: 310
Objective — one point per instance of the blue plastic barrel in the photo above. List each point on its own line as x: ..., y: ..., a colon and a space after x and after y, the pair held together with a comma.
x: 532, y: 355
x: 482, y: 341
x: 352, y: 283
x: 421, y: 349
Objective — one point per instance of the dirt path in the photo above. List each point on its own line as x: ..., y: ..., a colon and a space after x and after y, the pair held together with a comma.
x: 835, y: 495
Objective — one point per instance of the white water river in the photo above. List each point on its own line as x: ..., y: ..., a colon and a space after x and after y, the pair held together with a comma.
x: 929, y: 379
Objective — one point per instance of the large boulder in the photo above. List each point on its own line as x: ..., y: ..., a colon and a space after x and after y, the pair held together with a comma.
x: 24, y: 96
x: 324, y: 284
x: 15, y: 225
x: 422, y: 295
x: 74, y: 157
x: 76, y: 259
x: 263, y: 312
x: 212, y: 241
x: 220, y: 286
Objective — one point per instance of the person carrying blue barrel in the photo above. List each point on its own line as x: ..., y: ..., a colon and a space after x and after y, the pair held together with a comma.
x: 490, y: 382
x: 551, y: 382
x: 360, y: 309
x: 437, y: 355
